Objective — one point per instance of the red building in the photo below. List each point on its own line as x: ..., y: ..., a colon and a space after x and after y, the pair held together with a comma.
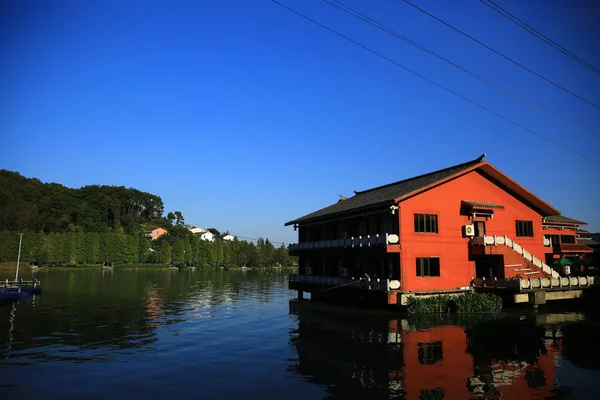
x: 563, y: 234
x: 428, y: 234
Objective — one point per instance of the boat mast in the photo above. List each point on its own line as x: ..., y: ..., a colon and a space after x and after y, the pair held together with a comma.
x: 19, y: 256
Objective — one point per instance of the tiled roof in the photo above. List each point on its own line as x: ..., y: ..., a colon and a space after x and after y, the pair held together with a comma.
x: 574, y: 247
x: 588, y: 241
x: 386, y: 193
x: 559, y: 219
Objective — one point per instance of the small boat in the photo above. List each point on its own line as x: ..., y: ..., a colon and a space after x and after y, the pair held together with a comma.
x: 108, y: 265
x: 14, y: 290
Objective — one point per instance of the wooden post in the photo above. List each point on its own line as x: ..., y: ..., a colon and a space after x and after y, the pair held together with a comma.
x: 536, y: 298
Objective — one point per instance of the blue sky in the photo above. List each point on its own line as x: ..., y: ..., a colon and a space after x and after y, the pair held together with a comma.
x: 243, y: 116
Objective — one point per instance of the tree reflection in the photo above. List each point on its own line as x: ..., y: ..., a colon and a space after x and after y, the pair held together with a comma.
x: 580, y: 344
x: 89, y: 314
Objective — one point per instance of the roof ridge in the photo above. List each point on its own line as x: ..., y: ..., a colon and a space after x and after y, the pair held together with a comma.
x: 472, y: 162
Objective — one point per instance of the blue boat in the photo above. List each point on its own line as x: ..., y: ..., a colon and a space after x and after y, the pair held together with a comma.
x: 14, y: 290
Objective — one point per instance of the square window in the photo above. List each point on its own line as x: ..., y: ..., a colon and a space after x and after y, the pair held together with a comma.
x: 426, y: 223
x: 430, y: 352
x: 428, y: 266
x: 524, y: 228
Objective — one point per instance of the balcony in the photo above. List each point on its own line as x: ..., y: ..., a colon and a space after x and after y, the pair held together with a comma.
x: 360, y: 241
x: 349, y: 282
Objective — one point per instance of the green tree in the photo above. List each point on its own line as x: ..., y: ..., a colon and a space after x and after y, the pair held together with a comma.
x: 227, y: 253
x: 129, y: 248
x: 218, y: 252
x: 179, y: 218
x: 9, y: 246
x: 282, y: 257
x: 41, y: 254
x: 187, y: 248
x: 178, y: 252
x: 206, y: 258
x: 248, y: 254
x: 91, y: 246
x: 170, y: 218
x: 164, y: 252
x: 143, y: 247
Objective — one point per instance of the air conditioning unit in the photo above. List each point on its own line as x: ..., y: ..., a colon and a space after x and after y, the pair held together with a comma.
x: 469, y: 230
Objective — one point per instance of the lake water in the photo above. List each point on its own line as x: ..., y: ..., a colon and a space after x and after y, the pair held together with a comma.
x: 98, y: 334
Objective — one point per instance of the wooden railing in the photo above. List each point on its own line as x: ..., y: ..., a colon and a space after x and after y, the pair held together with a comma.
x: 18, y: 286
x: 359, y: 241
x: 508, y: 242
x: 350, y: 282
x: 526, y: 284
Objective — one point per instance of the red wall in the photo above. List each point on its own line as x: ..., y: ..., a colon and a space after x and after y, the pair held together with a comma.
x: 450, y: 374
x: 517, y: 387
x: 448, y: 244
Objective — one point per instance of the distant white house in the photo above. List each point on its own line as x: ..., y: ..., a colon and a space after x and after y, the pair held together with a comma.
x: 203, y: 233
x: 229, y: 237
x: 207, y: 235
x: 197, y: 230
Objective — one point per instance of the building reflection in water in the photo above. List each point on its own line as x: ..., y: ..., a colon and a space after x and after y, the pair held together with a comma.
x: 357, y: 354
x: 154, y: 307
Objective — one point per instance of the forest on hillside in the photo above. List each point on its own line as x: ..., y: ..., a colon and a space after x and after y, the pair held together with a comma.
x: 178, y: 248
x: 96, y: 224
x: 27, y: 204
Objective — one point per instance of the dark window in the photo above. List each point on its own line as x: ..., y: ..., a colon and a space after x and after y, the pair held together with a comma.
x: 428, y: 266
x: 426, y: 223
x: 432, y: 394
x: 553, y: 238
x: 430, y: 352
x: 535, y: 378
x: 567, y: 239
x: 524, y: 228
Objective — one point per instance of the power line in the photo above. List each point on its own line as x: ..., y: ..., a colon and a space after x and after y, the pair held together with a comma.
x: 538, y: 34
x: 502, y: 55
x: 434, y: 82
x: 357, y: 14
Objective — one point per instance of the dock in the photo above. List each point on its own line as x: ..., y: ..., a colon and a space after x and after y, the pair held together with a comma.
x: 538, y: 291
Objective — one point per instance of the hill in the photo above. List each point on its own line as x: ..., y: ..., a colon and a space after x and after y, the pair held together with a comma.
x: 27, y: 204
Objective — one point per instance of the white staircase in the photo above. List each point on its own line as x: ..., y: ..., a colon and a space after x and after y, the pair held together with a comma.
x: 508, y: 242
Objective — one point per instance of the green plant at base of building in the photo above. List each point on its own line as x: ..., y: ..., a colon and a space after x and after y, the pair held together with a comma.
x: 464, y: 303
